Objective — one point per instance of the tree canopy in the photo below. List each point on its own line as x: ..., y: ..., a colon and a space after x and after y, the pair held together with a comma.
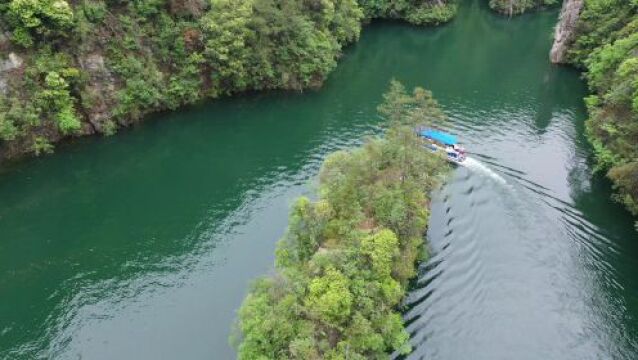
x: 345, y: 261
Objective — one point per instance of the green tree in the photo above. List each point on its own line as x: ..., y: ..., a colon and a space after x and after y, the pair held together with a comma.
x: 228, y: 42
x: 38, y: 17
x: 329, y: 297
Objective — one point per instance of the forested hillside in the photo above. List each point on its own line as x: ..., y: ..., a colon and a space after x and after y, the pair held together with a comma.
x: 91, y: 66
x: 606, y: 46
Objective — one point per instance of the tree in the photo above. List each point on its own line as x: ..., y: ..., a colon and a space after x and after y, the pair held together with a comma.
x: 420, y: 108
x: 38, y: 17
x: 329, y: 298
x: 343, y: 265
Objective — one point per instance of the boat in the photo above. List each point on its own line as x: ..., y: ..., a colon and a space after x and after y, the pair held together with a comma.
x: 442, y: 142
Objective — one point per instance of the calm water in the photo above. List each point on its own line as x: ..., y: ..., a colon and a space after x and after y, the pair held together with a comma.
x: 142, y: 245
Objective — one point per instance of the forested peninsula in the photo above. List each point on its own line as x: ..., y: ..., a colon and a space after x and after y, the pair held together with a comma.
x: 72, y: 68
x: 344, y: 264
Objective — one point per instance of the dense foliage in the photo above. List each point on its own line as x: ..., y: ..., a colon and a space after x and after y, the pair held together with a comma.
x: 606, y: 46
x: 419, y: 12
x: 516, y: 7
x: 95, y: 65
x: 344, y: 263
x: 38, y: 18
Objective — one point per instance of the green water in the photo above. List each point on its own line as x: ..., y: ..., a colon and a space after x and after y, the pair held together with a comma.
x: 142, y: 245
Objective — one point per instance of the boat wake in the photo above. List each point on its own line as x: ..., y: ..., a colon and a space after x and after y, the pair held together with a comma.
x: 481, y: 168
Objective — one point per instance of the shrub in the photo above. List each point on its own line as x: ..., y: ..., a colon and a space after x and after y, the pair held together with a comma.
x: 94, y: 11
x: 39, y: 17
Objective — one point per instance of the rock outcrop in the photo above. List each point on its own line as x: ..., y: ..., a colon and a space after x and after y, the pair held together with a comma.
x: 194, y: 8
x: 98, y: 93
x: 12, y: 62
x: 564, y: 32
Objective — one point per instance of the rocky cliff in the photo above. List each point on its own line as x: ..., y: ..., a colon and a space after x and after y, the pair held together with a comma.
x: 564, y: 33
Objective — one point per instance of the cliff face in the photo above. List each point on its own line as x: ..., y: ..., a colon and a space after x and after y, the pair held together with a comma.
x: 8, y: 65
x: 99, y: 90
x: 565, y: 30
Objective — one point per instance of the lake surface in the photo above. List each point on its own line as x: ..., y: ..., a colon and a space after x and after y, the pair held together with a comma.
x: 143, y: 245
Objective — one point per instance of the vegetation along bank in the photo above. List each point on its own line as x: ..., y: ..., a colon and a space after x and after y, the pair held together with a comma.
x: 601, y: 38
x: 516, y: 7
x: 344, y: 264
x: 70, y: 68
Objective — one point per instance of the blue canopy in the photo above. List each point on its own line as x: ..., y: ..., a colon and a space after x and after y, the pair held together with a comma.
x: 439, y: 136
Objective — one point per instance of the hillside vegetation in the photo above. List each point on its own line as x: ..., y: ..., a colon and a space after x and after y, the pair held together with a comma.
x: 517, y: 7
x: 344, y: 264
x: 91, y: 66
x: 606, y: 47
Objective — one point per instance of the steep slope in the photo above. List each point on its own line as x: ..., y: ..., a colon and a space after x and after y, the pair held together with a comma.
x: 565, y: 30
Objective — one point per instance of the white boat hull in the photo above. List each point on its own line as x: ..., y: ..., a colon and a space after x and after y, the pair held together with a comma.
x: 451, y: 155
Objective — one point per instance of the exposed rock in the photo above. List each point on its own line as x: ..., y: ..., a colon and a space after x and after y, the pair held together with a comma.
x: 5, y: 40
x: 12, y: 62
x: 93, y: 64
x: 5, y: 37
x: 194, y: 8
x: 564, y: 32
x: 99, y: 93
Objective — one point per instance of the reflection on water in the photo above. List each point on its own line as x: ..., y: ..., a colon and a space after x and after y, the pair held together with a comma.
x: 163, y: 248
x: 142, y: 245
x: 518, y: 268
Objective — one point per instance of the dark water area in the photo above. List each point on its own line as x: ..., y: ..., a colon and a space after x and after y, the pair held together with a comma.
x: 144, y: 244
